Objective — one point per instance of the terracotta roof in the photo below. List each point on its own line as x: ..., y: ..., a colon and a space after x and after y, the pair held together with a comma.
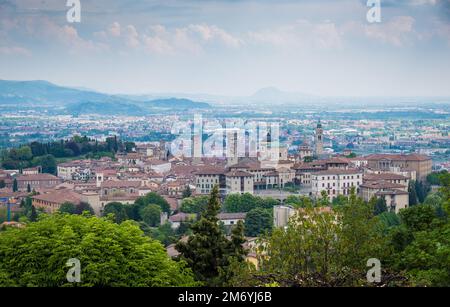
x: 120, y: 184
x: 350, y: 171
x: 410, y: 157
x: 38, y: 177
x: 237, y: 173
x: 59, y: 197
x: 337, y: 160
x: 384, y: 176
x: 181, y: 217
x: 271, y: 174
x: 210, y: 171
x: 382, y: 184
x: 231, y: 216
x: 391, y: 192
x: 173, y: 202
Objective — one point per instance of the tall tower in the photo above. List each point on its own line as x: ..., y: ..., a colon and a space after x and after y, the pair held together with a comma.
x: 319, y: 139
x: 232, y: 147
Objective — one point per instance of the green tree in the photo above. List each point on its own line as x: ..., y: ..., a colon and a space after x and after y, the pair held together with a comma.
x: 15, y: 187
x: 207, y: 249
x: 111, y: 255
x: 194, y: 204
x: 433, y: 199
x: 164, y: 234
x: 2, y: 184
x: 426, y: 258
x: 118, y: 210
x: 433, y: 178
x: 258, y: 221
x: 153, y: 198
x: 48, y: 164
x: 151, y: 215
x: 339, y: 200
x: 380, y: 205
x: 421, y: 191
x: 323, y: 200
x: 306, y: 248
x: 419, y: 217
x: 412, y: 193
x: 187, y: 192
x: 67, y: 207
x: 320, y: 248
x: 298, y: 201
x: 246, y: 202
x: 28, y: 188
x: 33, y: 214
x: 240, y: 203
x: 83, y: 207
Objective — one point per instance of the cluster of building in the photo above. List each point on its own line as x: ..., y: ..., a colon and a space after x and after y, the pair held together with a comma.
x: 151, y: 168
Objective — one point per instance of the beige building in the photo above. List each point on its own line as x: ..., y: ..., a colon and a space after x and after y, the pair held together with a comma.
x: 36, y: 181
x: 421, y: 164
x: 207, y: 178
x: 51, y: 201
x: 389, y: 177
x: 336, y: 182
x: 239, y: 182
x: 395, y: 194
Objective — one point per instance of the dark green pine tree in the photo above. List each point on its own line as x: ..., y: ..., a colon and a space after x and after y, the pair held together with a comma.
x: 206, y: 250
x: 28, y: 188
x: 412, y: 193
x: 33, y: 214
x: 15, y: 188
x: 380, y: 206
x: 235, y: 246
x: 187, y: 192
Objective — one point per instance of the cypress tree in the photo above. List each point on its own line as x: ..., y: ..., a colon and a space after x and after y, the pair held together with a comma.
x: 206, y: 249
x: 15, y: 186
x: 412, y: 193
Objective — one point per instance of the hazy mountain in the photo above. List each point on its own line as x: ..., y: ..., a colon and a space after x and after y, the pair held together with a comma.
x: 81, y: 101
x: 105, y: 108
x: 177, y: 103
x: 274, y: 95
x: 43, y: 92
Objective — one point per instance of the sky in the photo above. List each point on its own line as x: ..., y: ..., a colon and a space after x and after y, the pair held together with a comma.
x: 230, y: 47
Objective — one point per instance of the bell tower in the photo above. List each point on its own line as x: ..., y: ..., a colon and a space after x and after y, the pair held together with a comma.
x: 319, y: 139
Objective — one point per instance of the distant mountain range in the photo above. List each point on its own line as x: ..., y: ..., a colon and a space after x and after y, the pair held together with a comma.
x: 80, y: 101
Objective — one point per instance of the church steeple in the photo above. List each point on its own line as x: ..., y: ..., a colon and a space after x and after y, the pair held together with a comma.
x: 318, y: 139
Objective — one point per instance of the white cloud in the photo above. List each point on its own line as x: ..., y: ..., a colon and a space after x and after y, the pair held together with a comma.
x: 300, y: 34
x: 396, y: 31
x: 192, y: 38
x: 14, y: 50
x: 132, y: 37
x: 115, y: 29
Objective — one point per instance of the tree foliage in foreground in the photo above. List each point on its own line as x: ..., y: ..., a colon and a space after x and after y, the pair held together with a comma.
x: 111, y: 255
x: 208, y: 252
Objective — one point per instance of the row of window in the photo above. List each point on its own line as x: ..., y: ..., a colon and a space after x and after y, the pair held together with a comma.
x: 345, y: 184
x: 343, y: 177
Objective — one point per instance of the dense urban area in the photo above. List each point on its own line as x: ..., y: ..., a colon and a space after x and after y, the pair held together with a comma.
x: 333, y: 190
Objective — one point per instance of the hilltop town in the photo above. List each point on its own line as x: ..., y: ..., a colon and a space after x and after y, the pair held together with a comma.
x: 144, y: 168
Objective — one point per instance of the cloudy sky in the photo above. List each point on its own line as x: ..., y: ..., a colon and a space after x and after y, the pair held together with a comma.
x: 231, y: 47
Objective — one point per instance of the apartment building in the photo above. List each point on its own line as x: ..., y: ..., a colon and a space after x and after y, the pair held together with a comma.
x: 336, y: 182
x: 421, y: 164
x: 207, y: 178
x: 395, y: 194
x: 239, y: 182
x: 35, y: 182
